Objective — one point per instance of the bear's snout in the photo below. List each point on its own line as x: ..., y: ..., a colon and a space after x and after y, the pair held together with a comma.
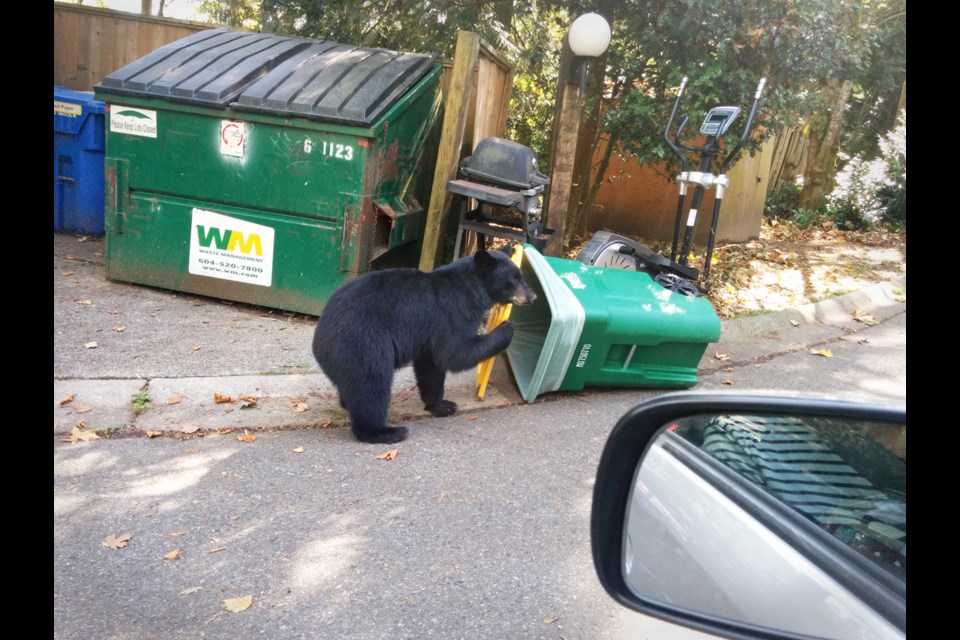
x: 524, y: 296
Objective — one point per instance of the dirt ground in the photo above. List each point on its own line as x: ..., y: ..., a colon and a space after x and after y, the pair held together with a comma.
x: 788, y: 266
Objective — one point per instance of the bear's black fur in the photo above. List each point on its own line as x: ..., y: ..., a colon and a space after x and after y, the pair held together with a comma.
x: 387, y: 319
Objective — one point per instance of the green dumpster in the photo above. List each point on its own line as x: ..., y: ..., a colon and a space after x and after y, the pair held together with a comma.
x: 593, y: 326
x: 267, y: 169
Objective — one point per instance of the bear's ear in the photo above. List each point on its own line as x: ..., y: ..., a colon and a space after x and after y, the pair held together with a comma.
x: 483, y: 259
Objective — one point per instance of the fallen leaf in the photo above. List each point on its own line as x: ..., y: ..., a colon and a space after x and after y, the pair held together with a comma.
x: 220, y: 398
x: 301, y: 407
x: 225, y: 432
x: 728, y: 382
x: 119, y: 329
x: 188, y: 428
x: 217, y: 550
x: 176, y: 534
x: 795, y: 323
x: 173, y: 554
x: 114, y: 541
x: 68, y: 273
x: 83, y: 302
x: 298, y: 450
x: 826, y: 353
x: 205, y: 320
x: 189, y: 590
x: 197, y: 347
x: 113, y: 312
x: 864, y: 318
x: 174, y: 399
x: 250, y: 402
x: 389, y: 455
x: 82, y: 408
x: 472, y: 417
x: 68, y: 399
x: 550, y: 620
x: 90, y: 345
x: 249, y: 398
x: 154, y: 434
x: 722, y: 356
x: 236, y: 605
x: 727, y: 369
x: 77, y: 435
x: 246, y: 436
x: 326, y: 424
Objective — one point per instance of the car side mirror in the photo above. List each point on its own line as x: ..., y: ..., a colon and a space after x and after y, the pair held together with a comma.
x: 756, y: 516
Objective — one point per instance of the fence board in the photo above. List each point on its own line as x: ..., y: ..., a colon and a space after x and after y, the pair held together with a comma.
x: 90, y: 43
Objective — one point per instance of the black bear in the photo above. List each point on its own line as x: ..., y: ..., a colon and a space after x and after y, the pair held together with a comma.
x: 387, y: 319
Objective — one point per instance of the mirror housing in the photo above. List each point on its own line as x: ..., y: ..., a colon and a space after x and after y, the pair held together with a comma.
x: 879, y: 597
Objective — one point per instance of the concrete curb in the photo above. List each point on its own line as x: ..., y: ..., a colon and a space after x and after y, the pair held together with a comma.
x: 306, y: 400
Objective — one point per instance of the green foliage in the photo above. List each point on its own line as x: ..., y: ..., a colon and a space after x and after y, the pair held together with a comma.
x: 108, y: 428
x: 782, y: 200
x: 804, y: 218
x: 871, y: 191
x: 140, y: 401
x: 873, y: 104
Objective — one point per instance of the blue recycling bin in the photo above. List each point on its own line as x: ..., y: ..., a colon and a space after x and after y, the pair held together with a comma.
x: 78, y: 151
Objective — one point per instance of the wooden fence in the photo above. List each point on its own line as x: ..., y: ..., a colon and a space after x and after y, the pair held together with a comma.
x: 89, y: 43
x: 789, y: 156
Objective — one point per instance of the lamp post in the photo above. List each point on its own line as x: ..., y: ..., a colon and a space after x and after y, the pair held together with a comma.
x: 588, y: 38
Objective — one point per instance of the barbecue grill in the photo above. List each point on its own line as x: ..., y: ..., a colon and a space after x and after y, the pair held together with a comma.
x: 502, y: 177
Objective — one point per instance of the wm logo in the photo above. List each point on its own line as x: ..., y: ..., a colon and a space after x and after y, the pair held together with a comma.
x: 228, y: 240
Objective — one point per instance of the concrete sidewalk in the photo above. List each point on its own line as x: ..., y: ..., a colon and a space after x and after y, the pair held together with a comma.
x: 115, y: 340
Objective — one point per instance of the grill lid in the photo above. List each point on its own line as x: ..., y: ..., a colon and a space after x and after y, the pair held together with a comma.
x: 503, y: 162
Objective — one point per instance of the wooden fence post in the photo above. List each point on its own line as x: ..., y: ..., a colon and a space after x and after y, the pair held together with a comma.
x: 456, y: 108
x: 563, y: 155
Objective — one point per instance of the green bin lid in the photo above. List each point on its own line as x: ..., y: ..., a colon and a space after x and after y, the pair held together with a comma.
x: 277, y: 75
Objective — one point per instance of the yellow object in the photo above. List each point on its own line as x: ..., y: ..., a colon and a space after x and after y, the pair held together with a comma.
x: 498, y: 315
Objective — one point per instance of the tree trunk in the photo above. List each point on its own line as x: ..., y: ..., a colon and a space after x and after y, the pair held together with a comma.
x: 824, y: 136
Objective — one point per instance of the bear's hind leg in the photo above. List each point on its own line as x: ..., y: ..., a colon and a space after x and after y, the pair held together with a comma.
x: 367, y: 405
x: 430, y: 381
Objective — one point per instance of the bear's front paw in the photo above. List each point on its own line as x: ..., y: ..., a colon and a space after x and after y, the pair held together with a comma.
x: 506, y: 330
x: 442, y: 408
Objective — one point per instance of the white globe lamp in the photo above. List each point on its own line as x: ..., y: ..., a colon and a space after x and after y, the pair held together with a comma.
x: 589, y: 37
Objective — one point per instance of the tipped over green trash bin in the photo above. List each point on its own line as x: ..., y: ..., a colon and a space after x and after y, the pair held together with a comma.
x: 605, y: 327
x: 267, y: 169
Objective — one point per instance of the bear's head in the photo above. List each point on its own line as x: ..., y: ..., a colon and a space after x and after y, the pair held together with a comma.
x: 502, y: 279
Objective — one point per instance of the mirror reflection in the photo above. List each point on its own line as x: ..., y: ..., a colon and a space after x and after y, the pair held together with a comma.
x: 693, y: 539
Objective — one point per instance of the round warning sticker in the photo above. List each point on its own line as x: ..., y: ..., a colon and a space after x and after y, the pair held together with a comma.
x: 233, y: 136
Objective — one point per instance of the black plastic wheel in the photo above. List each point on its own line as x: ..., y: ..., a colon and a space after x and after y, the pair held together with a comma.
x: 677, y: 284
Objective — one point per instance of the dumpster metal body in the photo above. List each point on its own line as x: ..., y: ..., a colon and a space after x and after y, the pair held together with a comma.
x: 267, y: 169
x: 78, y: 156
x: 593, y: 326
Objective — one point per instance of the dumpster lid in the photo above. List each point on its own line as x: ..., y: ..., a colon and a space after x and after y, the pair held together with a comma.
x: 277, y: 75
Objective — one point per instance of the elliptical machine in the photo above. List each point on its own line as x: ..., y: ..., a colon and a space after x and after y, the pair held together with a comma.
x: 609, y: 250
